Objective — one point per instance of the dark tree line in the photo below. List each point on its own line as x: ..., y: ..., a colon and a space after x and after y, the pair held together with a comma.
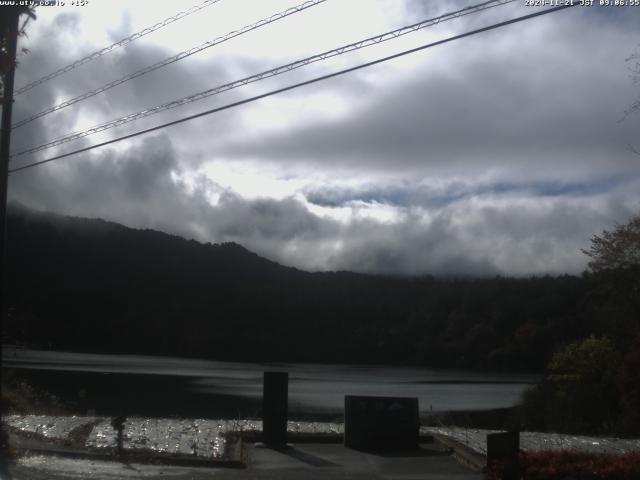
x: 91, y: 285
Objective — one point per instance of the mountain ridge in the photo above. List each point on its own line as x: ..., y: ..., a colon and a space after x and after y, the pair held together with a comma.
x: 93, y: 285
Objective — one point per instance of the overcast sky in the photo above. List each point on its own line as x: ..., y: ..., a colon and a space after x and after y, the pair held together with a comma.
x: 501, y: 153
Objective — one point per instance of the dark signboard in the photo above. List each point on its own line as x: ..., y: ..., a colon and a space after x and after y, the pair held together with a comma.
x: 381, y: 423
x: 502, y: 449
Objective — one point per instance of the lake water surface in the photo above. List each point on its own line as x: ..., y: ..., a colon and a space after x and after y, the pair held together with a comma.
x: 166, y: 386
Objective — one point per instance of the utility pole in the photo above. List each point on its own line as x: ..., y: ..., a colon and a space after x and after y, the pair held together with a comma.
x: 11, y: 35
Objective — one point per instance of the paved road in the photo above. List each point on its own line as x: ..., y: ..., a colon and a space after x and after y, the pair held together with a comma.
x: 303, y: 461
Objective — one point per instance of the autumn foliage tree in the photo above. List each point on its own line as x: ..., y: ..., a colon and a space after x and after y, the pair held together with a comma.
x: 615, y: 255
x: 614, y: 268
x: 593, y: 384
x: 616, y: 249
x: 615, y: 262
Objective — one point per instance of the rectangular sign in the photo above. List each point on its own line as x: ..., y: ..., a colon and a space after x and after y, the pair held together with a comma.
x: 381, y: 423
x: 503, y: 446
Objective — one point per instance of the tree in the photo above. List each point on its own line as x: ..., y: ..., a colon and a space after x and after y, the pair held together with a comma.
x: 582, y: 375
x: 615, y: 276
x: 615, y: 263
x: 616, y: 249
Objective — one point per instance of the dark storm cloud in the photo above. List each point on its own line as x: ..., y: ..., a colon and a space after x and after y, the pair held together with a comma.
x: 266, y: 220
x: 33, y: 64
x: 160, y: 86
x: 424, y: 9
x: 138, y: 187
x: 520, y: 239
x: 133, y: 186
x: 482, y: 105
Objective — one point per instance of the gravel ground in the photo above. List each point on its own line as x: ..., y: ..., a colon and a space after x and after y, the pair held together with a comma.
x: 535, y: 441
x: 207, y: 438
x: 199, y: 437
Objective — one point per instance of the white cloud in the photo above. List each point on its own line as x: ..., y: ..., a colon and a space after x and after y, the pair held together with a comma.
x: 501, y: 153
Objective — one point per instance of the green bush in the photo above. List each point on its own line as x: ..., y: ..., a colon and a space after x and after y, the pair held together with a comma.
x: 579, y: 393
x: 583, y: 378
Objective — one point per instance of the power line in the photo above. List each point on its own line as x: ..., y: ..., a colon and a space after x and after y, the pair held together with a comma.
x: 121, y: 43
x: 266, y: 74
x: 297, y: 85
x: 172, y: 59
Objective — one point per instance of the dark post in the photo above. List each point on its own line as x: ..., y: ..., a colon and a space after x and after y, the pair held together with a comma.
x: 502, y: 452
x: 5, y: 142
x: 11, y: 32
x: 118, y: 425
x: 274, y: 408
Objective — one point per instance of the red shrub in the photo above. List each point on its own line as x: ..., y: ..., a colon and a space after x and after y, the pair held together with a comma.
x: 573, y: 465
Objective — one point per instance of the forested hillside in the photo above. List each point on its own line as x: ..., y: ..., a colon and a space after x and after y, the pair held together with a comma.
x: 92, y: 285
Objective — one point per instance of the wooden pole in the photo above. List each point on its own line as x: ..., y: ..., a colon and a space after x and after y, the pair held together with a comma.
x: 11, y: 33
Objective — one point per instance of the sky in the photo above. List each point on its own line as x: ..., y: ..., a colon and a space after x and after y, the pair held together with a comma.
x: 498, y: 154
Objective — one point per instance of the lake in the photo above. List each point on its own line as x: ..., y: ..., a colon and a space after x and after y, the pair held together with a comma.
x: 166, y: 386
